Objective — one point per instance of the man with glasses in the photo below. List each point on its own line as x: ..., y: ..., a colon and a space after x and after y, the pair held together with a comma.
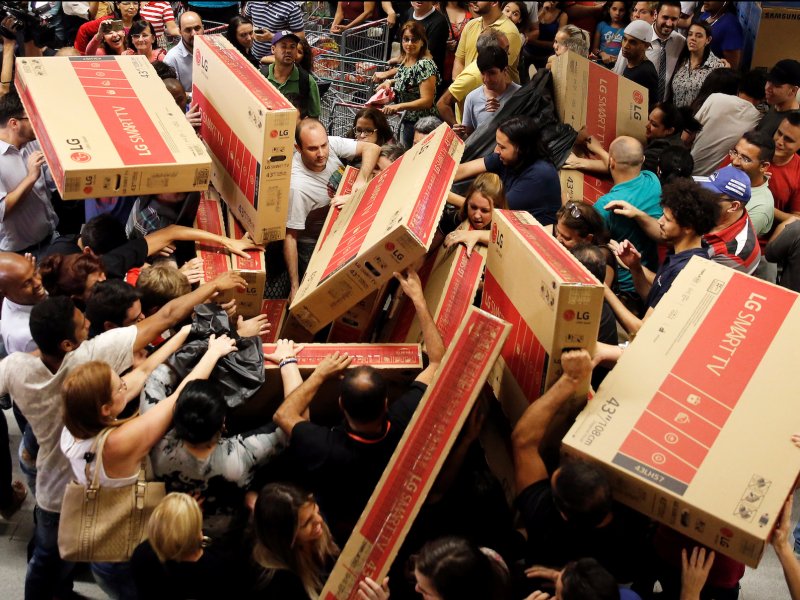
x: 27, y: 218
x: 292, y: 81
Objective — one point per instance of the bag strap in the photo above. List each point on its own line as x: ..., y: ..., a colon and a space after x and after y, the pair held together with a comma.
x: 96, y: 454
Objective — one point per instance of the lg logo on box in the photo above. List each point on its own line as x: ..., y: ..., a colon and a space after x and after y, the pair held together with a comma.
x: 282, y: 133
x: 571, y: 315
x: 396, y: 254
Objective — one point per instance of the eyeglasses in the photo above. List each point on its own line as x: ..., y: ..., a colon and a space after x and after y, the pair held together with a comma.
x: 573, y: 210
x: 364, y: 132
x: 733, y: 153
x: 407, y: 40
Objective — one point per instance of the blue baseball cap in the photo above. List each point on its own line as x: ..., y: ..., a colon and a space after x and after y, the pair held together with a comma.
x: 729, y: 181
x: 279, y: 35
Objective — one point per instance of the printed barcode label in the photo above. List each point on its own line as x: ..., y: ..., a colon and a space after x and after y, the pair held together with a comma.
x: 72, y: 184
x: 201, y: 177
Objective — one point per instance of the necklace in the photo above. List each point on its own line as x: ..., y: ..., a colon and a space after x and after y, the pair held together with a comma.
x: 717, y: 15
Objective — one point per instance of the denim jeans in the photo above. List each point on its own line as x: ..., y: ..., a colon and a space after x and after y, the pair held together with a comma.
x: 48, y: 575
x: 115, y: 579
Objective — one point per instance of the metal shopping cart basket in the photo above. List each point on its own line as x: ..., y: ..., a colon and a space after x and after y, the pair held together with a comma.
x: 342, y: 114
x: 368, y: 41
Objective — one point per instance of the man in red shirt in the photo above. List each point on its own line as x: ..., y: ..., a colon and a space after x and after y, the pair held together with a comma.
x: 784, y: 171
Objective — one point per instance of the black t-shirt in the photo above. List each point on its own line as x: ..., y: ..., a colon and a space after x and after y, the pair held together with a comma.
x: 342, y: 468
x: 553, y: 542
x: 644, y: 74
x: 64, y: 244
x: 437, y: 30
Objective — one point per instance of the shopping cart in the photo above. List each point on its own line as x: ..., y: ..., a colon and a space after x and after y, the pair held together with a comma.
x: 368, y: 41
x: 342, y: 115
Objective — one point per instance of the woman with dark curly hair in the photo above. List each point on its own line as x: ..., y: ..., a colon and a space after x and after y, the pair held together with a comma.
x: 72, y: 275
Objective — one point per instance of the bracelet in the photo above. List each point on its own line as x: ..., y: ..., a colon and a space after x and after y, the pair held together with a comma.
x: 287, y: 361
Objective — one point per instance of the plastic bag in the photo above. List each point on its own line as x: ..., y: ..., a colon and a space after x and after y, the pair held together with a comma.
x: 534, y: 99
x: 239, y: 374
x: 381, y: 98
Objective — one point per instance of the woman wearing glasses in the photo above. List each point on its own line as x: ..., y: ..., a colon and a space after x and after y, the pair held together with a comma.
x: 530, y: 179
x: 579, y: 223
x: 370, y: 125
x: 94, y: 397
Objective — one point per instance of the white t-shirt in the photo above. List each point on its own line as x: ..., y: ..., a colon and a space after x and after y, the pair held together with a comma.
x: 15, y: 327
x: 75, y: 450
x: 724, y: 119
x: 312, y: 191
x: 37, y: 392
x: 475, y: 105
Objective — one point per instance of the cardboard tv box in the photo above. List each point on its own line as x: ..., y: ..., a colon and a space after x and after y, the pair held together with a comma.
x: 590, y: 95
x: 387, y: 226
x: 583, y: 186
x: 693, y: 425
x: 109, y: 127
x: 551, y: 300
x: 450, y: 280
x: 216, y: 260
x: 248, y: 127
x: 253, y: 271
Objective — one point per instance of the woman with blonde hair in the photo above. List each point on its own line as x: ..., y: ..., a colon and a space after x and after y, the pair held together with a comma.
x: 484, y: 195
x: 93, y: 397
x: 176, y: 560
x: 295, y: 547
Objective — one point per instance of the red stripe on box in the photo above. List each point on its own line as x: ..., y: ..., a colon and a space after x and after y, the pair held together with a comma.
x: 663, y: 433
x: 274, y: 309
x: 721, y: 358
x: 215, y: 259
x: 126, y: 121
x: 255, y: 262
x: 246, y: 73
x: 414, y: 463
x: 361, y: 221
x: 687, y: 421
x: 225, y: 146
x: 648, y: 453
x: 547, y: 247
x: 426, y: 212
x: 376, y: 355
x: 346, y: 185
x: 42, y: 136
x: 523, y: 354
x: 460, y: 293
x: 601, y: 111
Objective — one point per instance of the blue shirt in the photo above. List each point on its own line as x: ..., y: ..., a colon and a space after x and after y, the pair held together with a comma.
x: 610, y: 38
x: 726, y: 33
x: 667, y: 273
x: 643, y: 192
x: 535, y: 188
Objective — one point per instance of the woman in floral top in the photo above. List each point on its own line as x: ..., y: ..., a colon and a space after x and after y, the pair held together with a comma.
x: 415, y: 81
x: 694, y: 65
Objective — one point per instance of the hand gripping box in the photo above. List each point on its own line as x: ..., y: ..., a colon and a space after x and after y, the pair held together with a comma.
x: 551, y: 300
x: 589, y: 95
x: 248, y: 127
x: 450, y: 280
x: 385, y: 227
x: 108, y: 127
x: 693, y: 425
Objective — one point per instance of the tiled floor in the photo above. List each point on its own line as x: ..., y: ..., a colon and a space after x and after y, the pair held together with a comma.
x: 765, y: 583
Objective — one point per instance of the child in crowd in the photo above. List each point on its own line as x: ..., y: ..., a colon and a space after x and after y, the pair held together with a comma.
x: 608, y: 36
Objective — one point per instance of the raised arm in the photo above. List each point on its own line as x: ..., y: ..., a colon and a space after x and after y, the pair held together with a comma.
x: 178, y: 233
x: 434, y: 345
x: 646, y: 223
x: 294, y: 409
x: 128, y: 444
x: 532, y: 425
x: 470, y: 169
x: 135, y: 379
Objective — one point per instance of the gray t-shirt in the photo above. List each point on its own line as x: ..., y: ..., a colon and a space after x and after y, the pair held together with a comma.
x: 37, y: 392
x: 310, y: 193
x: 475, y: 113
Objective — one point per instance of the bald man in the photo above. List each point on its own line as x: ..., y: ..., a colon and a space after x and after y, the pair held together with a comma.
x: 317, y: 169
x: 21, y: 285
x: 643, y: 190
x: 180, y: 57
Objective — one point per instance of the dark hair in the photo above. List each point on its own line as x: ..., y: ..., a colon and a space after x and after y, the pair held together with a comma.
x: 103, y: 233
x: 383, y: 129
x: 688, y: 122
x: 592, y: 257
x: 671, y: 116
x: 164, y: 71
x: 233, y: 27
x: 53, y: 321
x: 307, y: 62
x: 685, y: 54
x: 492, y: 57
x: 118, y: 14
x: 418, y: 31
x: 109, y: 301
x: 606, y: 17
x: 523, y: 132
x: 673, y: 163
x: 66, y: 274
x: 199, y: 412
x: 139, y: 26
x: 588, y: 223
x: 672, y: 3
x: 765, y: 143
x: 524, y: 25
x: 793, y: 117
x: 363, y: 394
x: 719, y: 81
x: 691, y: 205
x: 753, y: 83
x: 10, y: 107
x: 586, y: 579
x: 582, y: 493
x: 459, y: 569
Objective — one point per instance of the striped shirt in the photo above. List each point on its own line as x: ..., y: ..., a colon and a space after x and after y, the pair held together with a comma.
x: 736, y: 246
x: 158, y: 14
x: 273, y: 16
